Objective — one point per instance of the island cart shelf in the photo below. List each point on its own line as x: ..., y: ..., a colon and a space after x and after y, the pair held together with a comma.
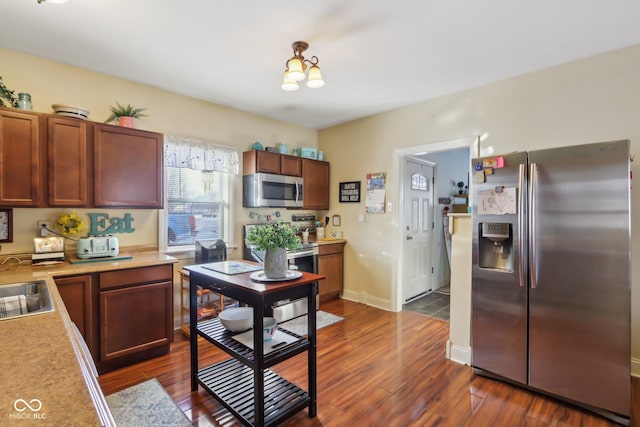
x: 244, y: 384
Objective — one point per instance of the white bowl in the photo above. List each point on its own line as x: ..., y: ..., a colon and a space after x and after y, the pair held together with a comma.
x: 236, y: 319
x: 269, y: 326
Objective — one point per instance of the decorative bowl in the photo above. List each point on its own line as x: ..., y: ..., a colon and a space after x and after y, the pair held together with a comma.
x: 70, y: 111
x: 269, y: 326
x: 236, y: 319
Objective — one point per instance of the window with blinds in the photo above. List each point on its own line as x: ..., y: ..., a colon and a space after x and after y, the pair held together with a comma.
x: 199, y: 191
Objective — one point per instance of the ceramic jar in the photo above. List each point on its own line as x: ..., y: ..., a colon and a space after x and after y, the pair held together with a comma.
x: 275, y: 263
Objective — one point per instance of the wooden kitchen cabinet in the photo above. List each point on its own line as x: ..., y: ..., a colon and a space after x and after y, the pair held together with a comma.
x: 51, y: 160
x: 331, y: 265
x: 135, y: 315
x: 290, y: 165
x: 315, y: 175
x: 68, y: 155
x: 125, y: 316
x: 128, y: 167
x: 21, y: 162
x: 258, y: 161
x: 76, y: 294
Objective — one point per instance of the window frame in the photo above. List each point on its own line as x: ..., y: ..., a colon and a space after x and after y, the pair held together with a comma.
x: 226, y: 213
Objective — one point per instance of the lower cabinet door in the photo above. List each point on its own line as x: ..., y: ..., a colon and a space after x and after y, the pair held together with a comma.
x: 135, y: 319
x: 76, y: 294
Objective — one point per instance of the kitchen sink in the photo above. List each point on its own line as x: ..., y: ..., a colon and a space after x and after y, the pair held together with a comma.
x: 25, y: 299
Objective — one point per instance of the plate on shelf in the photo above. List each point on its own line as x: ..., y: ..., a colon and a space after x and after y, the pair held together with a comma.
x: 280, y: 339
x: 260, y: 276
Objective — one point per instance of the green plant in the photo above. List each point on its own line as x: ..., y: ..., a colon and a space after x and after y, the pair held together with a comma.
x: 125, y: 111
x: 8, y: 95
x: 273, y: 236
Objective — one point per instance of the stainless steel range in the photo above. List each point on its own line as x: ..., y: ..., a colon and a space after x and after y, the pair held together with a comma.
x: 303, y: 259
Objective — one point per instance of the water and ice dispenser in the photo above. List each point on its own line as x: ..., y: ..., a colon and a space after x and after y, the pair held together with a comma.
x: 495, y: 246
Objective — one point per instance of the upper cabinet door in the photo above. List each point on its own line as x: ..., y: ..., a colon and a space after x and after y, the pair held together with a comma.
x: 128, y: 166
x: 67, y: 161
x: 290, y: 165
x: 316, y: 184
x: 20, y: 158
x: 257, y: 161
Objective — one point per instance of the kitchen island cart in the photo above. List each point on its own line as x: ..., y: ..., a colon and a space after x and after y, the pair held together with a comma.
x: 244, y: 384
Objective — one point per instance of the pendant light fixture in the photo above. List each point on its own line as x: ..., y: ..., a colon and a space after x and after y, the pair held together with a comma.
x: 296, y: 67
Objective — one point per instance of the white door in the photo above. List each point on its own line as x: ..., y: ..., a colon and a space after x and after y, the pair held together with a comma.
x: 418, y: 229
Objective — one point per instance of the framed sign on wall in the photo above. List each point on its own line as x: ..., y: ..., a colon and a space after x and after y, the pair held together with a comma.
x: 350, y: 192
x: 6, y: 225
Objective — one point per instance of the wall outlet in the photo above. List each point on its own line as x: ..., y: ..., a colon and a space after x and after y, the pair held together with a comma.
x: 42, y: 228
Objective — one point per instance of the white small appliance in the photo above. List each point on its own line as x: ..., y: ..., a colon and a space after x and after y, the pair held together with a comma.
x: 97, y: 246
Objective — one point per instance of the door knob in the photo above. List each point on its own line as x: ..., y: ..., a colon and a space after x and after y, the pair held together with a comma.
x: 409, y: 237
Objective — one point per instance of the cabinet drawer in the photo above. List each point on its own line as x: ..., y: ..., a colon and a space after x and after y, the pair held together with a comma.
x: 334, y: 248
x: 118, y: 278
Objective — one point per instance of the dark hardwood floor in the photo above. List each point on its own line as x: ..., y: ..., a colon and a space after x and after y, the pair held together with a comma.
x: 375, y: 368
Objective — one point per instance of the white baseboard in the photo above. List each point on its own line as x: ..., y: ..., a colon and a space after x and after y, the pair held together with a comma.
x: 352, y: 296
x: 363, y: 298
x: 635, y: 367
x: 381, y: 303
x: 458, y: 353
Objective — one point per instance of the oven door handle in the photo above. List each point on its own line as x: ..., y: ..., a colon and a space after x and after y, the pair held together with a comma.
x: 300, y: 254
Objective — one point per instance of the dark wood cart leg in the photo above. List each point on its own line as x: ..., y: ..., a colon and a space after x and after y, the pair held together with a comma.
x: 258, y: 372
x: 312, y: 366
x: 193, y: 333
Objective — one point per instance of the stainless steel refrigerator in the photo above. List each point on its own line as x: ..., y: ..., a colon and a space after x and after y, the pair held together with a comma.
x: 551, y: 285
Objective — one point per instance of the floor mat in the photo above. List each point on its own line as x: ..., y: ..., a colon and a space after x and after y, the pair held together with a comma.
x: 299, y: 324
x: 145, y: 404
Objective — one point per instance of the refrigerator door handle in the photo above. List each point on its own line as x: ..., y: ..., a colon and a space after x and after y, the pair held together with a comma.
x: 521, y: 226
x: 532, y: 225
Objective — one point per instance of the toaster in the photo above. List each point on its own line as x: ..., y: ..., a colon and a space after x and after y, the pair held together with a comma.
x: 97, y: 246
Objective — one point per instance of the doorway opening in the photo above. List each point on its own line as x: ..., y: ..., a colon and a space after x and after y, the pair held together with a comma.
x: 451, y: 161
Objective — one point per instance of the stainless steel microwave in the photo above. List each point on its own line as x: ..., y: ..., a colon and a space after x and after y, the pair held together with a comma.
x: 265, y: 190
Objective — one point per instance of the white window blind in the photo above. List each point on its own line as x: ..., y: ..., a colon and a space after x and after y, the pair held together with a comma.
x: 199, y: 191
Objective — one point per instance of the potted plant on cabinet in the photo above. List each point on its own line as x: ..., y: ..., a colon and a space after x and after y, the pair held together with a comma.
x: 124, y: 114
x: 7, y: 95
x: 274, y: 239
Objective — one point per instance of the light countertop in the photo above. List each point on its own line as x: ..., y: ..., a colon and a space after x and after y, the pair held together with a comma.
x: 37, y: 358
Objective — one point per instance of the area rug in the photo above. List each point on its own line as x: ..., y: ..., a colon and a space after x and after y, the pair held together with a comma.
x: 299, y: 324
x: 145, y: 404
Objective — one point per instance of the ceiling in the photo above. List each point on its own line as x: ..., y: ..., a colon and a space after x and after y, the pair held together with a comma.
x: 375, y: 55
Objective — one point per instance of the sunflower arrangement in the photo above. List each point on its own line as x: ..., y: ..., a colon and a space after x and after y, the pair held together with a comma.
x: 70, y: 224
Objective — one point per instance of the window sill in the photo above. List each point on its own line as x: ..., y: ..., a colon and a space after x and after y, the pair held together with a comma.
x: 181, y: 252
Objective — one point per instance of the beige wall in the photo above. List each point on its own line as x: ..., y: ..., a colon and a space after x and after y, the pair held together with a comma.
x: 595, y: 99
x: 51, y: 83
x: 169, y: 113
x: 585, y: 101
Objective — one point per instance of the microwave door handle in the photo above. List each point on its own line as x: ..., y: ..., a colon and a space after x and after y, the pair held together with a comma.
x: 295, y: 181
